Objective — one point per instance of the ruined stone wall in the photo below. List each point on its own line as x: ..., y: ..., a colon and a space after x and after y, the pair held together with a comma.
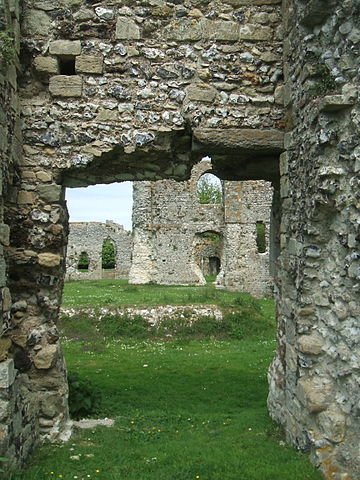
x: 314, y: 380
x: 89, y: 237
x: 168, y: 220
x: 245, y: 268
x: 18, y: 412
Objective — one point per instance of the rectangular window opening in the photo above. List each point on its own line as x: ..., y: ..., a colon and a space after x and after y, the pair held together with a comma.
x: 67, y: 65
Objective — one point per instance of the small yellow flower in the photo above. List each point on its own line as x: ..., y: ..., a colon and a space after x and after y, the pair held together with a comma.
x: 197, y: 476
x: 97, y: 471
x: 60, y: 476
x: 132, y: 421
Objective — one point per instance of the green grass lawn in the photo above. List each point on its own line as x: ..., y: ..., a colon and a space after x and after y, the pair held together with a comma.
x: 118, y: 293
x: 185, y: 409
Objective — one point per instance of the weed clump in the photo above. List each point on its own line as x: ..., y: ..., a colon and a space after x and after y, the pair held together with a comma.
x: 84, y: 398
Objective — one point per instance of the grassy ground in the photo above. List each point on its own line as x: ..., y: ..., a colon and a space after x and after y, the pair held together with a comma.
x: 185, y: 409
x: 117, y: 293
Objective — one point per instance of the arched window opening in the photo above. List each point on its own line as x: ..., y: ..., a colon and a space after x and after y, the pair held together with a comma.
x: 260, y: 237
x: 108, y: 260
x: 83, y: 263
x: 209, y: 189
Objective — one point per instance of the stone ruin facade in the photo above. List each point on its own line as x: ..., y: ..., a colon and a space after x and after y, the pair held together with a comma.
x: 89, y: 237
x: 142, y: 90
x: 177, y: 240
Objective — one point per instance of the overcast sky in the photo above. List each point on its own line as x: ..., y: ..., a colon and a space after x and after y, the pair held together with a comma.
x: 100, y: 203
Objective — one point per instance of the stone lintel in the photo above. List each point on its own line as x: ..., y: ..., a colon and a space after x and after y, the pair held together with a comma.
x: 251, y: 140
x: 65, y: 47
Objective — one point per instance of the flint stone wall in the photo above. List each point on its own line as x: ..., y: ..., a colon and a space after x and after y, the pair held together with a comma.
x: 167, y: 221
x: 89, y: 237
x: 314, y: 382
x: 165, y: 86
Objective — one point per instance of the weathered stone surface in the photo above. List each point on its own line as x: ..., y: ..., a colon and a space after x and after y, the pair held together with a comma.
x: 66, y: 86
x: 332, y: 423
x: 255, y: 32
x: 5, y: 345
x: 127, y: 29
x: 89, y: 64
x: 7, y: 373
x: 65, y: 47
x: 201, y: 93
x: 26, y: 197
x: 46, y: 65
x: 37, y: 22
x: 45, y: 358
x: 253, y: 140
x: 50, y: 193
x: 311, y: 344
x: 316, y: 392
x: 49, y: 259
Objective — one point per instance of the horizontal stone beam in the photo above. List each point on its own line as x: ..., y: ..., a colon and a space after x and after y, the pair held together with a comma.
x: 243, y: 140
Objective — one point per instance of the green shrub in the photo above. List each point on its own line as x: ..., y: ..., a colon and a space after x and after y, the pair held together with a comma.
x: 84, y: 398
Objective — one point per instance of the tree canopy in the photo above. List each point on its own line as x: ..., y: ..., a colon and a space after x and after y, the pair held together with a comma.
x: 209, y: 189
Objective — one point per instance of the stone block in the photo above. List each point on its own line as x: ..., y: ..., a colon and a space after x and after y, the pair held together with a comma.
x: 25, y: 198
x: 107, y: 116
x: 6, y: 299
x: 43, y: 176
x: 49, y: 259
x: 36, y: 22
x: 332, y: 423
x: 221, y: 30
x: 46, y: 65
x: 89, y: 64
x: 201, y: 93
x: 4, y: 234
x: 65, y: 47
x: 50, y: 193
x: 66, y: 86
x: 127, y: 29
x: 45, y: 357
x: 255, y: 32
x: 315, y: 393
x: 5, y: 345
x: 7, y: 373
x: 244, y: 3
x: 310, y: 344
x: 4, y: 409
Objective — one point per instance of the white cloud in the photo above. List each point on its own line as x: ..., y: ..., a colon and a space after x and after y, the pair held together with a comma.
x: 99, y: 203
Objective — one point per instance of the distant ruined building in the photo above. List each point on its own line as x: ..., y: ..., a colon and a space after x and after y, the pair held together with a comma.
x: 88, y: 239
x: 104, y: 92
x: 177, y: 240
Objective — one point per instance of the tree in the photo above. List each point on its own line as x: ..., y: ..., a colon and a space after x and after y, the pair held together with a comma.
x: 209, y: 189
x: 108, y: 254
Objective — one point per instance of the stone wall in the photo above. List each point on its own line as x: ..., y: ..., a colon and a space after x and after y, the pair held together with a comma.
x: 142, y: 92
x: 314, y: 380
x: 18, y: 413
x: 168, y: 221
x: 89, y: 237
